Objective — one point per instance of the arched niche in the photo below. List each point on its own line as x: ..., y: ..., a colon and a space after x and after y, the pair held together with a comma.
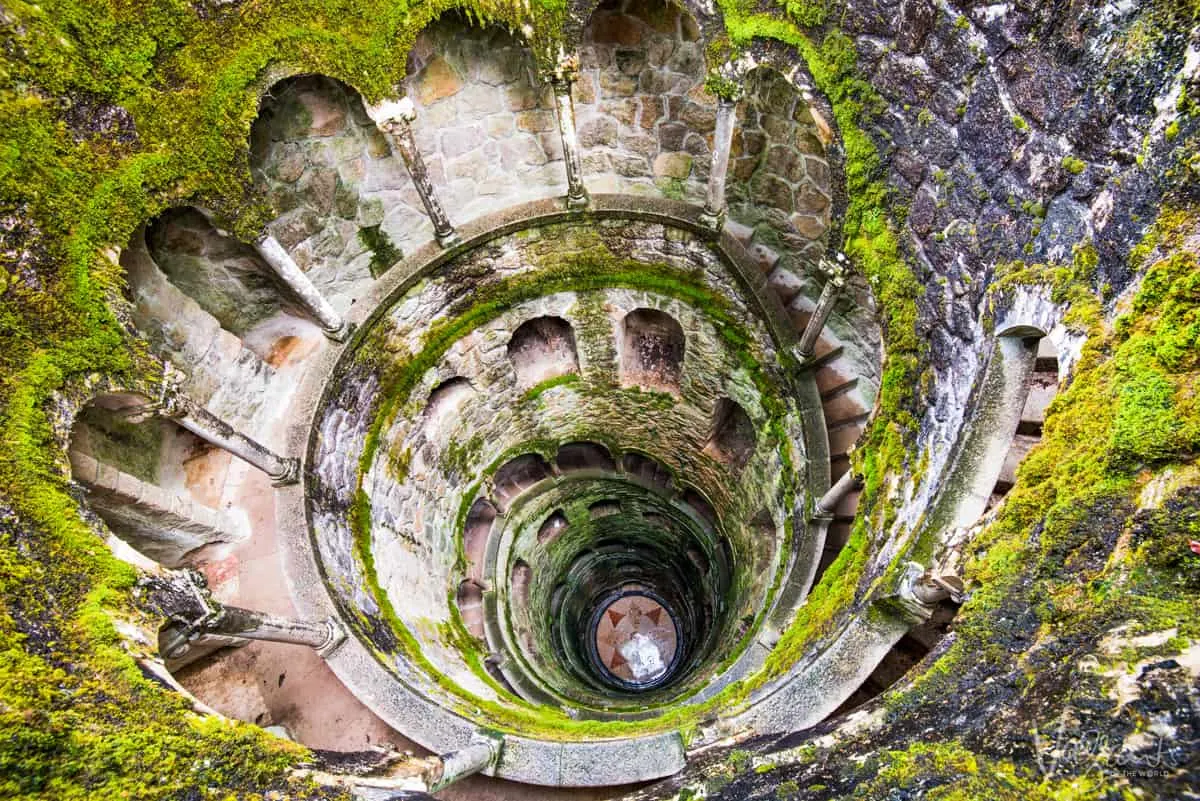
x: 484, y: 117
x: 652, y: 351
x: 647, y: 469
x: 157, y: 487
x: 733, y: 435
x: 605, y: 508
x: 990, y: 425
x: 522, y: 579
x: 476, y: 530
x: 780, y: 182
x: 552, y: 527
x: 584, y: 456
x: 469, y: 599
x: 701, y: 507
x: 645, y: 120
x: 331, y: 177
x: 518, y: 475
x: 541, y: 349
x: 225, y: 277
x: 444, y: 405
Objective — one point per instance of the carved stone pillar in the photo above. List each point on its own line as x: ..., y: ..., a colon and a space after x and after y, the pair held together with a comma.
x: 394, y: 119
x: 835, y: 270
x: 564, y: 105
x: 483, y: 752
x: 843, y: 487
x: 212, y: 429
x: 286, y: 268
x: 714, y: 203
x: 183, y: 598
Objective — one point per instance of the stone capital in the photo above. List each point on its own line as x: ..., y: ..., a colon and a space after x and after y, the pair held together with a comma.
x: 388, y: 114
x: 172, y: 402
x: 566, y: 70
x: 835, y: 268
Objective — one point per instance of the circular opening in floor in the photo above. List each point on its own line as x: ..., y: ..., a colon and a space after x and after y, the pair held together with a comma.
x: 635, y: 639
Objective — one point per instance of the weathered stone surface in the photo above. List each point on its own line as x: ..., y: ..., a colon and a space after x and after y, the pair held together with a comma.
x: 598, y: 132
x: 809, y: 225
x: 460, y: 140
x: 437, y: 81
x: 673, y: 165
x: 617, y: 85
x: 770, y: 191
x: 916, y: 21
x: 327, y: 117
x: 672, y: 135
x: 536, y: 121
x: 630, y: 62
x: 616, y: 29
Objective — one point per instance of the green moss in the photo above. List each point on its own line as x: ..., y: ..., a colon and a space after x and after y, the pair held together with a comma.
x: 950, y: 772
x: 809, y: 13
x: 672, y: 188
x: 1146, y: 427
x: 1073, y: 165
x: 536, y: 391
x: 1055, y: 543
x: 383, y: 252
x: 463, y: 457
x: 133, y: 448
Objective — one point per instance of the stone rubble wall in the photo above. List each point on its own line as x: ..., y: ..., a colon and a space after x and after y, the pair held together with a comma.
x: 485, y: 124
x: 645, y: 120
x: 323, y: 165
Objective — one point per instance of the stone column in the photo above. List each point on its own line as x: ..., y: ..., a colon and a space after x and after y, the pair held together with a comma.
x: 830, y: 500
x: 481, y: 753
x: 919, y: 591
x: 394, y: 118
x: 564, y: 105
x: 835, y: 270
x: 234, y: 621
x: 714, y: 204
x: 286, y: 268
x: 932, y: 587
x: 212, y: 429
x: 193, y: 614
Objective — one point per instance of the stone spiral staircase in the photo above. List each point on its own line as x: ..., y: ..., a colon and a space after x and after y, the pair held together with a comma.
x: 366, y: 193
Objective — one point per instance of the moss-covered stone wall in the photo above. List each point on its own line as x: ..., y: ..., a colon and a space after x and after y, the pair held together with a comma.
x: 969, y: 140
